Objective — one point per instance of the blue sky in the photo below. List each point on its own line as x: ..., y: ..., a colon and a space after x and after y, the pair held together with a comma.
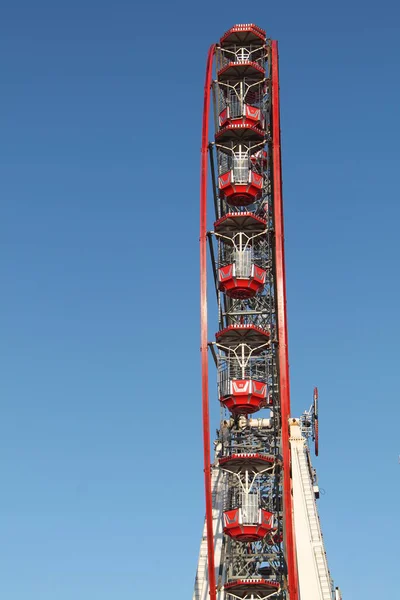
x: 100, y: 435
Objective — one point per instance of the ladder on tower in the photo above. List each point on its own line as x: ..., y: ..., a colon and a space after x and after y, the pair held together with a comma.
x: 201, y: 586
x: 314, y: 577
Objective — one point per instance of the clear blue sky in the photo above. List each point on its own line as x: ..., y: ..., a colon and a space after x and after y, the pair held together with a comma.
x: 100, y: 440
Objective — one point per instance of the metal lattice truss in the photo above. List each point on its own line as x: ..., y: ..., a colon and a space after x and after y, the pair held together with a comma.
x: 244, y: 436
x: 261, y: 558
x: 253, y: 489
x: 242, y: 247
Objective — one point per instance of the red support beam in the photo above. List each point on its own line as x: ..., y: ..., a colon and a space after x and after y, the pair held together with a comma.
x: 284, y: 385
x: 203, y: 323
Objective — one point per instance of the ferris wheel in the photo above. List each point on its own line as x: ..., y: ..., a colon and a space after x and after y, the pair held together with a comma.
x: 248, y: 551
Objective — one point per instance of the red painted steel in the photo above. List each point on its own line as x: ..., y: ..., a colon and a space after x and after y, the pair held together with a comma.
x: 245, y: 396
x: 245, y: 532
x: 282, y: 328
x: 203, y: 322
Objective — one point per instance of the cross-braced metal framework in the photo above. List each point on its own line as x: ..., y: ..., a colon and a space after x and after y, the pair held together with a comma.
x: 245, y: 350
x: 250, y: 347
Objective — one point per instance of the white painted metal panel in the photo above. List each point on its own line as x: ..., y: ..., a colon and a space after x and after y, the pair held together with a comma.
x: 314, y: 577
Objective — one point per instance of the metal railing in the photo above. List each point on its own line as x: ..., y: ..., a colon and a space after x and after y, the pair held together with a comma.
x: 235, y: 105
x: 241, y: 367
x: 235, y: 95
x: 242, y: 259
x: 241, y: 169
x: 250, y: 507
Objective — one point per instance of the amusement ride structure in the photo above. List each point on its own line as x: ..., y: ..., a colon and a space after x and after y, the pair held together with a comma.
x: 262, y: 536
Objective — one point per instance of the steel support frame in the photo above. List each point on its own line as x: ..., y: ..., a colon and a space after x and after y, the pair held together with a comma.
x: 204, y: 324
x: 284, y: 385
x: 282, y: 325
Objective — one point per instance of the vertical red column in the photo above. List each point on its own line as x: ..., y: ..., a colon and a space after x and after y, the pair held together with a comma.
x: 284, y: 386
x: 203, y: 323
